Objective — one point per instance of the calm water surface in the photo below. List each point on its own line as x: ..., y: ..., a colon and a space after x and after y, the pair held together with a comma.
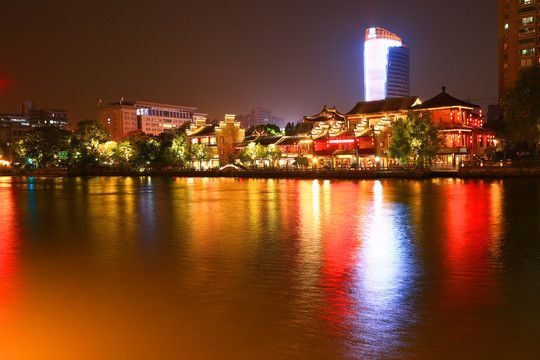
x: 160, y: 268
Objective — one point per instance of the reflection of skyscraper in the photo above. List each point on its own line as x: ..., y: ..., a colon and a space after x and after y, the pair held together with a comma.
x: 386, y: 65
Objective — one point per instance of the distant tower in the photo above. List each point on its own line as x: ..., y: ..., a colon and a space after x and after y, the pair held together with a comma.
x: 386, y: 65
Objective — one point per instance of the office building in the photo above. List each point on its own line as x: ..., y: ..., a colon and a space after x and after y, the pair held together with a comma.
x: 8, y: 119
x: 386, y: 65
x: 519, y: 41
x: 48, y: 117
x: 151, y: 118
x: 43, y: 117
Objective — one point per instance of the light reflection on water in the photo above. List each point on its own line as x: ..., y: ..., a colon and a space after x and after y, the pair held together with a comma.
x: 223, y: 268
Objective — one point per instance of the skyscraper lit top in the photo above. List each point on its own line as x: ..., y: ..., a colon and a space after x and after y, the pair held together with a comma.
x: 386, y: 65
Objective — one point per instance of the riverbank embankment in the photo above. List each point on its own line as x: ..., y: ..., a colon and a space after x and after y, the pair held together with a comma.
x: 499, y: 172
x: 248, y: 174
x: 464, y: 172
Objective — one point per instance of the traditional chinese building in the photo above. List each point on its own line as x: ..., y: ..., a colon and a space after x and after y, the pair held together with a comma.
x: 220, y: 139
x: 359, y: 138
x: 462, y: 125
x: 290, y: 146
x: 372, y: 121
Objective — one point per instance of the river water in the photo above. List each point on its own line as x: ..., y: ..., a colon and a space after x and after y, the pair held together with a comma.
x: 176, y: 268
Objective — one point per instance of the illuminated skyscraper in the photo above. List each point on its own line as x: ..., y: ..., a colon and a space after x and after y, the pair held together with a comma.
x: 386, y: 66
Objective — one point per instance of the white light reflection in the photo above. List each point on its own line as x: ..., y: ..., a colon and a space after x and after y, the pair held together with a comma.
x: 384, y: 274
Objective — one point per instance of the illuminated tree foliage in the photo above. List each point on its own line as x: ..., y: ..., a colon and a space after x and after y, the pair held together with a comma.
x: 144, y: 149
x: 274, y: 153
x: 301, y: 161
x: 521, y: 112
x: 123, y: 153
x: 247, y: 155
x: 260, y: 152
x: 174, y: 149
x: 41, y: 146
x: 89, y: 135
x: 200, y: 152
x: 415, y: 138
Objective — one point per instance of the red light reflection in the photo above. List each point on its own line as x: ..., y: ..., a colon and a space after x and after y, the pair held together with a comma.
x: 467, y: 279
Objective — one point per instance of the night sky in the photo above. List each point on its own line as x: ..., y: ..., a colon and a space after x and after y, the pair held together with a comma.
x: 290, y: 56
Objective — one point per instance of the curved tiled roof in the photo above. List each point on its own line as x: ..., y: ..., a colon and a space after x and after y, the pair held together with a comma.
x: 383, y: 106
x: 326, y: 114
x: 266, y: 140
x: 291, y: 140
x: 444, y: 100
x: 204, y: 130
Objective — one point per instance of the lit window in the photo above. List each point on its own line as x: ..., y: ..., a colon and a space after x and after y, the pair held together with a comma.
x: 526, y: 52
x: 505, y: 26
x: 526, y: 20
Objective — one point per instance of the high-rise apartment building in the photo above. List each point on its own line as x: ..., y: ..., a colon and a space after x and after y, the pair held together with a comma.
x: 151, y: 118
x: 260, y: 116
x: 519, y: 39
x: 386, y: 65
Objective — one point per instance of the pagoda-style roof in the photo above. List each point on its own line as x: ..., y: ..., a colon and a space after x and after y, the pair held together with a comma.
x: 291, y: 140
x: 264, y: 140
x: 327, y: 114
x: 247, y: 140
x: 366, y: 133
x: 205, y: 130
x: 384, y: 106
x: 323, y: 136
x: 443, y: 100
x: 345, y: 134
x: 268, y: 139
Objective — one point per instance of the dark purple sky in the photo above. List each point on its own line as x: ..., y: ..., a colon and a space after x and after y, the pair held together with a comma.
x: 290, y: 56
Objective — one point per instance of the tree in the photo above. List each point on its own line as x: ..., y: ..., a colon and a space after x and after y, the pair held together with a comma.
x: 303, y: 127
x: 521, y: 112
x: 147, y: 152
x: 248, y: 154
x: 273, y: 129
x: 416, y: 138
x: 301, y: 161
x: 180, y: 148
x: 144, y: 149
x: 274, y: 153
x: 123, y: 153
x: 200, y: 152
x: 86, y: 140
x: 245, y: 155
x: 289, y: 129
x: 18, y: 154
x: 260, y: 152
x: 42, y: 145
